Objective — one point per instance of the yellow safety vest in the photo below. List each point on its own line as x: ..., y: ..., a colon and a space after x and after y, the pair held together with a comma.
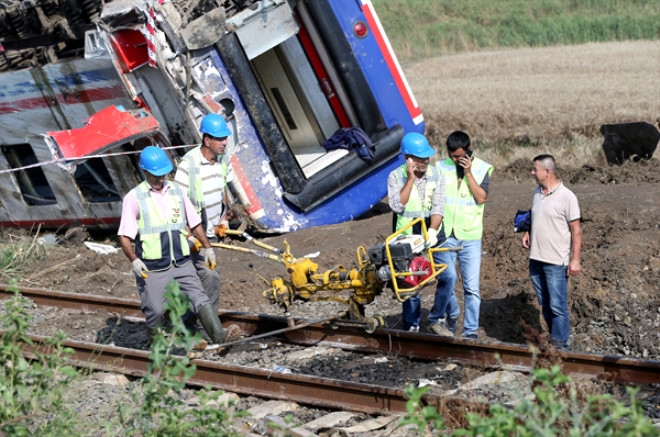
x: 161, y: 239
x: 416, y: 207
x: 195, y: 189
x: 463, y: 216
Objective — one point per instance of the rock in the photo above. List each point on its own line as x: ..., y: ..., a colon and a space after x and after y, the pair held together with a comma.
x: 272, y: 408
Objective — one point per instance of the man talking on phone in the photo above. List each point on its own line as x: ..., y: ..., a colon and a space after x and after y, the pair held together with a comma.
x: 466, y: 190
x: 414, y: 190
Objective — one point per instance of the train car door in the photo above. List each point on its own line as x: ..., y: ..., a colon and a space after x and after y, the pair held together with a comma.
x: 299, y: 104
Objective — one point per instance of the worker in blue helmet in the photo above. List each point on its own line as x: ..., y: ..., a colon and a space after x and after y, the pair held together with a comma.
x: 152, y: 233
x: 155, y: 161
x: 417, y: 189
x: 203, y: 174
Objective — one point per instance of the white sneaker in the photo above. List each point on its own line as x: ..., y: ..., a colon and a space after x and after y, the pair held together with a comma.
x: 413, y: 329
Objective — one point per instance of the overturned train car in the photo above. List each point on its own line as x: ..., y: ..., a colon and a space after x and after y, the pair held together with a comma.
x: 86, y: 86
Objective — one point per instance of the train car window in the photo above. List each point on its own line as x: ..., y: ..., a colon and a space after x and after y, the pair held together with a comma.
x: 31, y: 180
x: 95, y: 183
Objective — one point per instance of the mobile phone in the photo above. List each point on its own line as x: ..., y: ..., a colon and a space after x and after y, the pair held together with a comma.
x: 468, y: 152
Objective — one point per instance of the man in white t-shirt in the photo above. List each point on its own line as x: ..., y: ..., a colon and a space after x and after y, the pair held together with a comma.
x: 203, y: 175
x: 554, y: 243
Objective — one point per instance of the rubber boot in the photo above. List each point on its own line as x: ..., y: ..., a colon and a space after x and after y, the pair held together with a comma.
x: 211, y: 322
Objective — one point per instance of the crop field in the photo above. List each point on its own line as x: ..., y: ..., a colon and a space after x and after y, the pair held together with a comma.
x: 517, y: 102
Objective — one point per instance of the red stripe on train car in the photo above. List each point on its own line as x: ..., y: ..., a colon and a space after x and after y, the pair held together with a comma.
x: 239, y: 173
x: 322, y: 76
x: 392, y: 63
x: 57, y: 223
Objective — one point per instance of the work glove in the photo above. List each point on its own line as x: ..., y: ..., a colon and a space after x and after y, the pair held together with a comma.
x: 221, y: 228
x: 209, y: 256
x: 139, y: 268
x: 194, y: 244
x: 433, y: 238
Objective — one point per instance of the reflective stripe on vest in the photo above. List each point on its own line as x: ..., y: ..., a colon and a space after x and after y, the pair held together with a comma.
x: 195, y: 189
x: 416, y: 208
x: 463, y: 216
x: 160, y: 239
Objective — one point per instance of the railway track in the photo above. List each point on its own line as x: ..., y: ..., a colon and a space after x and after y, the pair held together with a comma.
x: 411, y: 345
x: 331, y: 393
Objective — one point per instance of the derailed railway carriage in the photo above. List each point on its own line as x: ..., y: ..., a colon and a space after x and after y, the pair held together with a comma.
x: 86, y: 86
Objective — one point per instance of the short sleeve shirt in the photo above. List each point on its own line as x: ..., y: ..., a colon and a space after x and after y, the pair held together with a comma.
x: 213, y: 185
x: 130, y: 211
x: 550, y: 233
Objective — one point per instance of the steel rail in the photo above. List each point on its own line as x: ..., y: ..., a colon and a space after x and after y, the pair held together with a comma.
x: 394, y: 342
x: 305, y: 389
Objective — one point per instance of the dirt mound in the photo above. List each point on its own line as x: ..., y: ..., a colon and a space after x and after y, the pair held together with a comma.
x: 615, y: 302
x: 646, y: 171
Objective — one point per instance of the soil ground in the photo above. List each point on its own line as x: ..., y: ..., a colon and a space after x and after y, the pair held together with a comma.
x: 614, y: 303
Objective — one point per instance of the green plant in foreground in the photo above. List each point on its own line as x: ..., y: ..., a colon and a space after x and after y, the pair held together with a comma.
x: 35, y: 378
x: 424, y: 418
x: 557, y: 409
x: 31, y: 389
x: 160, y: 410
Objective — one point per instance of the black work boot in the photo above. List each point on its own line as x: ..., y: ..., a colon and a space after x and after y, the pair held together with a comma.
x: 151, y: 334
x: 452, y: 323
x: 190, y: 322
x: 211, y: 322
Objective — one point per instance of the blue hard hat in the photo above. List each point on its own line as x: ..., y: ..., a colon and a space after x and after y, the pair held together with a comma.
x: 214, y: 125
x: 416, y: 145
x: 154, y: 160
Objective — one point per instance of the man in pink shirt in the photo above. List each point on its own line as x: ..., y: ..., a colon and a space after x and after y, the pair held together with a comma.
x: 152, y: 234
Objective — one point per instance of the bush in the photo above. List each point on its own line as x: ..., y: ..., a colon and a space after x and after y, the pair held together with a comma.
x: 557, y: 409
x: 14, y: 255
x: 31, y: 388
x: 34, y: 381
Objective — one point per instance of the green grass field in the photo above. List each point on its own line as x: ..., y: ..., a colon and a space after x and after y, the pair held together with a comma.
x: 422, y: 28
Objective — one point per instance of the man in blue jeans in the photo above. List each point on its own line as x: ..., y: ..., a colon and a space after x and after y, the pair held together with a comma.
x: 466, y: 190
x: 416, y: 190
x: 554, y: 243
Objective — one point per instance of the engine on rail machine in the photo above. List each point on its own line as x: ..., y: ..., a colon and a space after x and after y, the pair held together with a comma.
x: 405, y: 251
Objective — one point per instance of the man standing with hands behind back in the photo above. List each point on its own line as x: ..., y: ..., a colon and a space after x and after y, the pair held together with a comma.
x: 554, y: 243
x: 466, y: 191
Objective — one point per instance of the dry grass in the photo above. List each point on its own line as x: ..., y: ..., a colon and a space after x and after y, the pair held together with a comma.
x: 517, y: 103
